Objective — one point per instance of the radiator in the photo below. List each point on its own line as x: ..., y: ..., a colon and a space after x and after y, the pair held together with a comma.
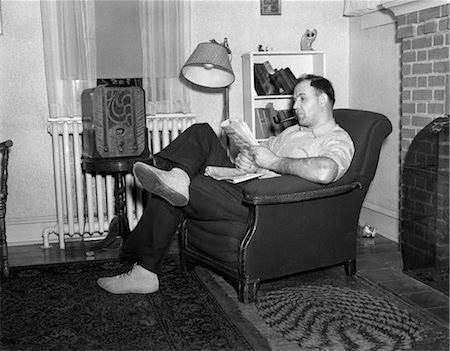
x: 85, y: 203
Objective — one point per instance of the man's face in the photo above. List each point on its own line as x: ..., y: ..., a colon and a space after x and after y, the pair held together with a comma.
x: 306, y: 104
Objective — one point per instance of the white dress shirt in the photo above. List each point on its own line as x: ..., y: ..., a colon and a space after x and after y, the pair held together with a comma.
x: 328, y: 140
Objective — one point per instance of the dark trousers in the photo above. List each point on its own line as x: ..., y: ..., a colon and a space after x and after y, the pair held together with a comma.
x: 193, y: 150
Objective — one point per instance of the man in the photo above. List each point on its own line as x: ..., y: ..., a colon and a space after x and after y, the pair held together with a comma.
x: 317, y: 150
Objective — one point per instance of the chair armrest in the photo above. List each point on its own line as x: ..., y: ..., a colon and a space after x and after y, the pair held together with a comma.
x: 287, y: 188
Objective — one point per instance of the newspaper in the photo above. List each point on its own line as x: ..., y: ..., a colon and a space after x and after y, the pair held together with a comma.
x: 232, y: 175
x: 242, y: 137
x: 239, y: 133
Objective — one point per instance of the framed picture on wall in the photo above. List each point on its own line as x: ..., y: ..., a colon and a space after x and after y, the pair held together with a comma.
x: 270, y: 7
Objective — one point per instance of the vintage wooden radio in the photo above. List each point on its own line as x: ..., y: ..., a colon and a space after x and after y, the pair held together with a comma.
x: 114, y: 122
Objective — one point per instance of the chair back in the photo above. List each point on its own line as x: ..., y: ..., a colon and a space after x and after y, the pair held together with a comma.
x: 368, y: 131
x: 4, y: 155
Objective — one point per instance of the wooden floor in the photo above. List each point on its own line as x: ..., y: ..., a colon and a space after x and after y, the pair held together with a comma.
x: 75, y: 251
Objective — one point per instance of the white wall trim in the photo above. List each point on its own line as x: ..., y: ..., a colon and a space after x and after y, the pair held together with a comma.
x: 389, y: 10
x: 377, y: 18
x: 27, y: 230
x: 381, y: 210
x: 385, y: 221
x: 10, y: 221
x: 402, y: 7
x: 30, y: 231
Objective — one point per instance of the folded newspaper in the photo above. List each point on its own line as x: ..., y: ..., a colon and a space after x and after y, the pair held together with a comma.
x: 232, y: 175
x: 241, y: 135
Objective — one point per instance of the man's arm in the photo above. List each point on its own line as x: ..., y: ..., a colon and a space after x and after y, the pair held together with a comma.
x: 315, y: 169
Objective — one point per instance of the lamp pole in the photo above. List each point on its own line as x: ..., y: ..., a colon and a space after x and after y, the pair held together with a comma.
x: 226, y: 106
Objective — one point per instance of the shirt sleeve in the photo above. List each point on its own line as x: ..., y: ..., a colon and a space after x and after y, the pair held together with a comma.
x: 340, y: 149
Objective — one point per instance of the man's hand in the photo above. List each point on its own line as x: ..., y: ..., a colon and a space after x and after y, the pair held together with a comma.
x: 245, y: 162
x: 262, y: 156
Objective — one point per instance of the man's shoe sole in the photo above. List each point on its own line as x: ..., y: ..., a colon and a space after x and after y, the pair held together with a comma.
x: 125, y: 291
x: 151, y: 182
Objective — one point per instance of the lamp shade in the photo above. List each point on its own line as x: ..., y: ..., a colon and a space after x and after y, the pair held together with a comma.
x: 209, y: 66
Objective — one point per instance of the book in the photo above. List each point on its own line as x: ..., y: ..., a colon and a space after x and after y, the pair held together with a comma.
x: 291, y: 75
x: 263, y: 86
x: 270, y: 122
x: 281, y: 79
x: 262, y: 127
x: 285, y: 118
x: 287, y: 80
x: 279, y: 90
x: 269, y: 68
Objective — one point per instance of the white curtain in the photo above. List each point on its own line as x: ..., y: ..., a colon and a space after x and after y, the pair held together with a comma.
x: 165, y: 36
x: 70, y: 53
x: 361, y: 7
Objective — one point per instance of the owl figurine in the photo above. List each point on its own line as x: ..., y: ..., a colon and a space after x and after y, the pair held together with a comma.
x: 307, y: 40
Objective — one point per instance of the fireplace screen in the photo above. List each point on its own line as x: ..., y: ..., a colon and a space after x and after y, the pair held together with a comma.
x: 424, y: 232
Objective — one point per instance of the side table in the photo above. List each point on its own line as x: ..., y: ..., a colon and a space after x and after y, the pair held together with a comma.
x: 118, y: 167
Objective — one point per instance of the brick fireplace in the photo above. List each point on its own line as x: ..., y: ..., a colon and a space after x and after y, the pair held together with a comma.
x: 424, y: 188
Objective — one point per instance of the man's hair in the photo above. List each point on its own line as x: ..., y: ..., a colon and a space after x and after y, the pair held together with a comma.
x: 320, y: 84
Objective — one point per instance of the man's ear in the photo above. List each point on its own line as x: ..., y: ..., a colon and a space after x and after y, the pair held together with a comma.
x: 323, y: 98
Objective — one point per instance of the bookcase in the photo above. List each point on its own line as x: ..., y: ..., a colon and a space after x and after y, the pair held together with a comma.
x: 301, y: 62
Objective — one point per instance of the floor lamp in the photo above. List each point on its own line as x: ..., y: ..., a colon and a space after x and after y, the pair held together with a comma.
x: 209, y: 66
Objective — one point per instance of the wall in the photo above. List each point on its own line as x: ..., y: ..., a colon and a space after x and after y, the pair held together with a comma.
x: 240, y: 21
x: 23, y: 119
x: 374, y: 63
x: 23, y: 100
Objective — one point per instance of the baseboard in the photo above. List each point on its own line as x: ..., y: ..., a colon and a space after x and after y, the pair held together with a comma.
x: 385, y: 221
x: 27, y: 230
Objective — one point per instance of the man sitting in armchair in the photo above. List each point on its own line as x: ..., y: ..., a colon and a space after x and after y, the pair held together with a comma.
x: 317, y: 149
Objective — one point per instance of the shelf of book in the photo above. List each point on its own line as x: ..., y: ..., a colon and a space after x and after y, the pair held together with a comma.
x: 268, y: 80
x: 273, y: 97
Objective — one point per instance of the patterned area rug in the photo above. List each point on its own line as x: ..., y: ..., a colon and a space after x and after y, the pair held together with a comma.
x: 338, y: 318
x: 60, y: 307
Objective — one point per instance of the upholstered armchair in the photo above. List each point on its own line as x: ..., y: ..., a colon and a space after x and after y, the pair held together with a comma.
x: 4, y: 155
x: 293, y: 225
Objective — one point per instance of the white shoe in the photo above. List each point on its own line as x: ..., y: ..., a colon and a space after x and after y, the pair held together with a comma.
x: 171, y: 185
x: 136, y: 281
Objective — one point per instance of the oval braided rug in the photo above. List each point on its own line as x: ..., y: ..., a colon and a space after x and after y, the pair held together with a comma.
x: 338, y: 318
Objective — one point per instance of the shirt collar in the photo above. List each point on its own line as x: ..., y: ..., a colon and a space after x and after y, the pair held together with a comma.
x: 322, y: 130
